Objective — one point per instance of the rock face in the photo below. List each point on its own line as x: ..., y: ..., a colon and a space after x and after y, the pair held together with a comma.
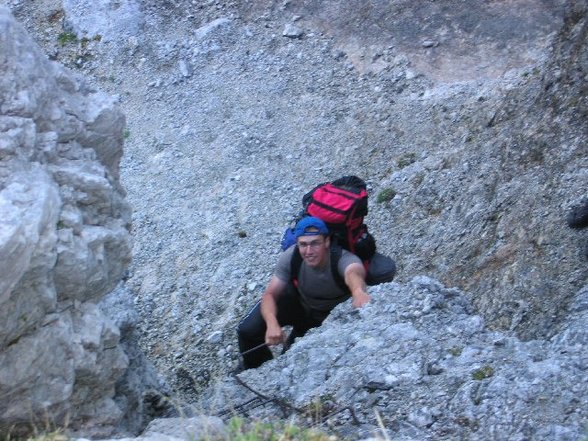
x: 486, y: 205
x: 445, y: 42
x: 473, y: 119
x: 419, y: 358
x: 476, y: 129
x: 64, y: 242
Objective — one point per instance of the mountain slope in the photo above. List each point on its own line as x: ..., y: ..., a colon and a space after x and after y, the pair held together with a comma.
x: 479, y: 131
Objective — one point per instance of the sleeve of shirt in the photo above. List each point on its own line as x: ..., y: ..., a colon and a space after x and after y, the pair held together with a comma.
x: 347, y: 259
x: 282, y: 269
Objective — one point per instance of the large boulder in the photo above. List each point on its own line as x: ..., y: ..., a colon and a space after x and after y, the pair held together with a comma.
x: 419, y: 364
x: 64, y: 243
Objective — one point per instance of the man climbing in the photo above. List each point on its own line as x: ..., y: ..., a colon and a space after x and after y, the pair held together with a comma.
x: 309, y: 280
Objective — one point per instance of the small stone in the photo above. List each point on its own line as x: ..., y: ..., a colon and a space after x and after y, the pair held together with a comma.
x: 185, y: 68
x: 292, y: 31
x: 215, y: 337
x: 421, y: 417
x: 410, y: 74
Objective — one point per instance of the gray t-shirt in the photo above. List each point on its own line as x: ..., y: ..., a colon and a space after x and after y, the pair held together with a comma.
x: 318, y: 289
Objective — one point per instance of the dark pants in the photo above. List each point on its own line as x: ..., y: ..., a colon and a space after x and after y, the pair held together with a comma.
x: 291, y: 312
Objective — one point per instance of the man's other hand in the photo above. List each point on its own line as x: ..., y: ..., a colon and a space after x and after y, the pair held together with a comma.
x: 274, y: 335
x: 360, y: 299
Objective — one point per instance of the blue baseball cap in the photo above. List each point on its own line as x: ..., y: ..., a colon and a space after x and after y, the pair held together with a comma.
x: 316, y: 225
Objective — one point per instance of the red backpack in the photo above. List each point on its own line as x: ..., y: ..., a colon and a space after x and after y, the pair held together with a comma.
x: 342, y: 205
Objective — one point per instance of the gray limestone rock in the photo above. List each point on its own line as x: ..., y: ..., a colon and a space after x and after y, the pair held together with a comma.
x: 292, y: 31
x: 432, y: 373
x: 64, y: 243
x: 105, y: 19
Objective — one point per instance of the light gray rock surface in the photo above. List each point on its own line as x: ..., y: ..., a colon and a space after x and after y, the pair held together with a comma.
x: 108, y: 20
x: 140, y: 393
x: 420, y: 358
x: 64, y: 242
x: 475, y: 118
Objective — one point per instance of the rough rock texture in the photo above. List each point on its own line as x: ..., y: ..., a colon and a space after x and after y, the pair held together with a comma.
x: 64, y: 242
x: 473, y: 118
x: 488, y: 213
x: 443, y: 40
x: 106, y: 20
x: 140, y: 393
x: 420, y: 358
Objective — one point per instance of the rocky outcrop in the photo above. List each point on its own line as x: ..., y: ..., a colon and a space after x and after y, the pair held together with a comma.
x: 140, y: 393
x: 237, y: 112
x: 64, y: 243
x: 417, y: 363
x: 485, y: 194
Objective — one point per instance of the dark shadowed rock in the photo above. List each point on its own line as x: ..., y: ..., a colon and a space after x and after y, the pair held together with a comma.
x: 578, y: 215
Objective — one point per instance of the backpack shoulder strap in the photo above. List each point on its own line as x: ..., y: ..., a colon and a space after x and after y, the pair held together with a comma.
x: 295, y: 264
x: 336, y: 253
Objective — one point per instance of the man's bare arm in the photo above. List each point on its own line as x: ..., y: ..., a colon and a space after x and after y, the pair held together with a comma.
x: 355, y: 280
x: 269, y: 311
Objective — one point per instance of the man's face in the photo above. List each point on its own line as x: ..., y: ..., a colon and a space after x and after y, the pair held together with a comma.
x: 314, y: 249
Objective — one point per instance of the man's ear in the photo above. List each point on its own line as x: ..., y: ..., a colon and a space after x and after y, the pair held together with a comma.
x: 328, y: 241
